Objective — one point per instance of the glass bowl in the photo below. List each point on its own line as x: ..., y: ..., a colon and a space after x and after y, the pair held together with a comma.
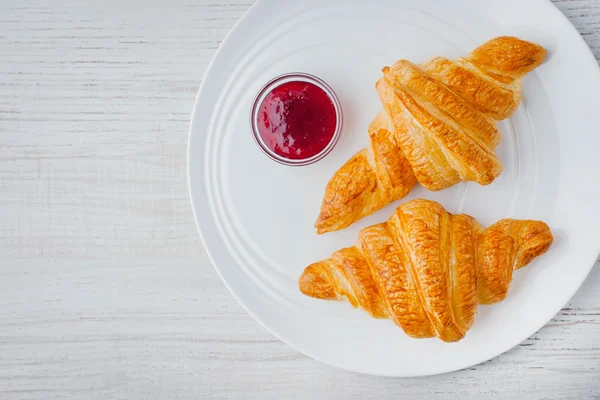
x: 280, y: 80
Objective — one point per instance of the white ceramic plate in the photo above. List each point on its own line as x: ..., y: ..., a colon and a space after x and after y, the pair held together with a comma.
x: 256, y: 216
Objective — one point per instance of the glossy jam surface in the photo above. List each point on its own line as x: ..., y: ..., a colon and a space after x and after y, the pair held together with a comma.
x: 297, y: 120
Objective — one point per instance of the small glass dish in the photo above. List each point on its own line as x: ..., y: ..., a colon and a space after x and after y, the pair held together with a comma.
x: 270, y: 86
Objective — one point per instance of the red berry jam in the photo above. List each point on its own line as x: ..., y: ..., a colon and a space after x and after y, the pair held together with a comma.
x: 297, y: 120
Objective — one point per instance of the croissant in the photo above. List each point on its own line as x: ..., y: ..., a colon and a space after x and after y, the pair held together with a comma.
x: 427, y: 269
x: 438, y: 127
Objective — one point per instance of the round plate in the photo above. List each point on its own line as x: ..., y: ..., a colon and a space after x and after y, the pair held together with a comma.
x: 256, y: 216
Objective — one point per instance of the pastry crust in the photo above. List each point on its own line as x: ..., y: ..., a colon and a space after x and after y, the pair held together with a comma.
x: 371, y: 179
x: 427, y: 269
x: 438, y: 127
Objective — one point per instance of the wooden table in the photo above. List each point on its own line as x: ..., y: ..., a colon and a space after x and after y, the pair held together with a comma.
x: 105, y: 288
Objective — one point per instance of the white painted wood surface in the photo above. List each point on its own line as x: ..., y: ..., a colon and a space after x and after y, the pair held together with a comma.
x: 105, y: 288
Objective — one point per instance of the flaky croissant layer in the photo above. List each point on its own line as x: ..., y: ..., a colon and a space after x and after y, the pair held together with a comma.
x: 438, y: 127
x: 427, y: 269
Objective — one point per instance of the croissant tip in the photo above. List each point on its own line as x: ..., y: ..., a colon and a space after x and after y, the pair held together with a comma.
x: 319, y: 225
x: 314, y: 283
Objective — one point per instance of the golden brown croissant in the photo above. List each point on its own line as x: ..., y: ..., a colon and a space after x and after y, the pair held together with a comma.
x: 438, y: 127
x: 427, y: 269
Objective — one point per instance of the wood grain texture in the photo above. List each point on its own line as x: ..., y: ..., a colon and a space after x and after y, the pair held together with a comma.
x: 105, y: 288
